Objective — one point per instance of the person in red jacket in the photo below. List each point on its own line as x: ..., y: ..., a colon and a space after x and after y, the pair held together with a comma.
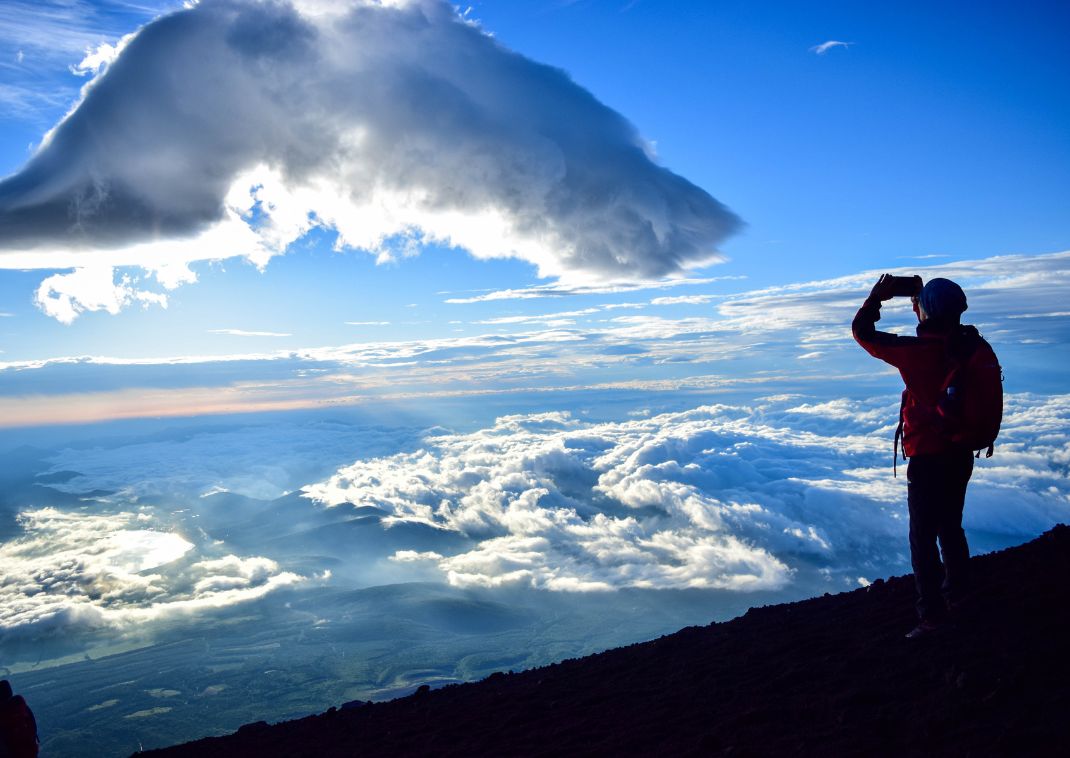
x: 939, y: 469
x: 18, y: 728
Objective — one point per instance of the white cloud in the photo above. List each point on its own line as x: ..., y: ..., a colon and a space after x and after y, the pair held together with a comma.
x: 412, y: 556
x: 97, y: 59
x: 75, y: 571
x: 244, y: 333
x: 732, y: 497
x: 824, y: 47
x: 564, y: 288
x: 93, y: 288
x: 1016, y: 301
x: 683, y: 300
x: 1053, y: 314
x: 561, y: 317
x: 258, y: 122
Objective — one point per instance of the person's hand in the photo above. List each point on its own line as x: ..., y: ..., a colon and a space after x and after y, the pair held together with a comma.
x: 883, y: 289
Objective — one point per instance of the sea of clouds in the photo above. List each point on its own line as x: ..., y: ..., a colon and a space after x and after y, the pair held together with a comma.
x: 784, y: 493
x: 71, y: 572
x: 720, y: 496
x: 615, y: 445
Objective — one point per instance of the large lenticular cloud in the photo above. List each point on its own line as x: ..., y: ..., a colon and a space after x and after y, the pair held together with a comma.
x: 235, y: 126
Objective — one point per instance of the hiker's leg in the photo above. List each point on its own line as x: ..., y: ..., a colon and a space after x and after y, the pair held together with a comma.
x: 953, y: 545
x: 923, y: 502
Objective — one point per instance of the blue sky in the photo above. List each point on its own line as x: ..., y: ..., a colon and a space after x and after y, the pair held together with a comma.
x: 936, y: 132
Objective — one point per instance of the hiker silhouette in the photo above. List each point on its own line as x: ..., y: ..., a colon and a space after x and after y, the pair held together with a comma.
x: 951, y: 406
x: 18, y: 728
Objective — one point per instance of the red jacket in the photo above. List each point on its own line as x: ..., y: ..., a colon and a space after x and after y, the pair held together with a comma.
x: 923, y: 363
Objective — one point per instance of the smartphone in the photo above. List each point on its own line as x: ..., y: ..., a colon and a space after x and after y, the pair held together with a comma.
x: 906, y: 286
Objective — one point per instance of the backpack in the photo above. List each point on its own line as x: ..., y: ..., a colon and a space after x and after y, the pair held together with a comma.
x: 18, y: 729
x: 971, y: 398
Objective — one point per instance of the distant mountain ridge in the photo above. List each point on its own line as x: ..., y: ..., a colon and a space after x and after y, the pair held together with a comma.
x: 832, y: 675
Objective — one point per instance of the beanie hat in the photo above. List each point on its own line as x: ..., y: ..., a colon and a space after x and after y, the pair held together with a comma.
x: 942, y: 299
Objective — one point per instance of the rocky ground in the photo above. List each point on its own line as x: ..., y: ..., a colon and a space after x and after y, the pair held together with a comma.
x: 828, y: 676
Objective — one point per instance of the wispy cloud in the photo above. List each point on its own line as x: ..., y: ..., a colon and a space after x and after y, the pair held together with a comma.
x: 69, y: 28
x: 824, y: 47
x: 564, y: 289
x: 1017, y: 301
x: 245, y: 333
x: 29, y: 97
x: 44, y: 37
x: 683, y: 300
x: 1053, y: 314
x: 541, y: 318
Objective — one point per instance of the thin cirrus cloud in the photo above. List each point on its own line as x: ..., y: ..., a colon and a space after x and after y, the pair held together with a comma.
x: 43, y: 37
x: 392, y: 124
x: 246, y: 333
x: 51, y: 28
x: 683, y: 300
x: 1016, y: 301
x: 565, y: 289
x: 831, y: 44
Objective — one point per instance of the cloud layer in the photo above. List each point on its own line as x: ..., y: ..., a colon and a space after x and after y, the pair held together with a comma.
x: 797, y: 335
x: 77, y: 571
x: 727, y: 497
x: 787, y: 493
x: 235, y: 126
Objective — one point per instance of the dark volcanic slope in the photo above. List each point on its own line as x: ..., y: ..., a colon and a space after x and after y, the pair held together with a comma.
x: 831, y: 676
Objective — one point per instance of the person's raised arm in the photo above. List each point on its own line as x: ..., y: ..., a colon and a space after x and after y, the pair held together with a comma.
x: 864, y: 327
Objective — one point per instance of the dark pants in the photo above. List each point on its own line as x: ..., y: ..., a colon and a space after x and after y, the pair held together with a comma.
x: 936, y: 493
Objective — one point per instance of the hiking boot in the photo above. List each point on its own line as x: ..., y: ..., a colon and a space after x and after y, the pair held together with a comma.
x: 924, y: 628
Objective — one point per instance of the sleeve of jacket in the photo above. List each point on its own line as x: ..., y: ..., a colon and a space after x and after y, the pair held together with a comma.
x: 890, y: 348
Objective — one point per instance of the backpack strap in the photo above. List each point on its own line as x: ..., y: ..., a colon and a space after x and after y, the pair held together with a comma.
x: 950, y: 378
x: 899, y: 435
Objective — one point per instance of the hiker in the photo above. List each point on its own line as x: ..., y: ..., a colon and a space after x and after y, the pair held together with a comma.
x: 936, y: 439
x: 18, y: 728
